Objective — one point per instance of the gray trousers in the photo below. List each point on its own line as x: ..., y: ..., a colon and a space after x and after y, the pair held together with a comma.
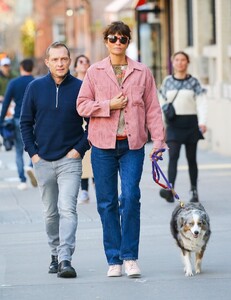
x: 59, y: 183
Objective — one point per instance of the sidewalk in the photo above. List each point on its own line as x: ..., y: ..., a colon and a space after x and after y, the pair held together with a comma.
x: 24, y: 253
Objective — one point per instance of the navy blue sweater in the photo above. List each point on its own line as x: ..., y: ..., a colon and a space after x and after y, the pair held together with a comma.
x: 50, y: 124
x: 15, y: 91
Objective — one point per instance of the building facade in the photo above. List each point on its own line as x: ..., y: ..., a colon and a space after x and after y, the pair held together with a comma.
x: 159, y: 28
x: 203, y: 30
x: 13, y: 14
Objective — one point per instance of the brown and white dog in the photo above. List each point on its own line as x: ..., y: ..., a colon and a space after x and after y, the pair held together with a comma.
x: 190, y: 227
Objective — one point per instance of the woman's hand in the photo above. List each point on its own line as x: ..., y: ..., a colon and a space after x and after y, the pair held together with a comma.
x: 118, y: 102
x: 159, y: 154
x: 203, y: 128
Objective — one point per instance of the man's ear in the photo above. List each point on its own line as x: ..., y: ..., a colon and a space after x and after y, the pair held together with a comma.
x: 46, y: 62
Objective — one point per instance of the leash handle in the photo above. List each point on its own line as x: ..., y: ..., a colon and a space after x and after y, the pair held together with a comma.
x: 156, y: 172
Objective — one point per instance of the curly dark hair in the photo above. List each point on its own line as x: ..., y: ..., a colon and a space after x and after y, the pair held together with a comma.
x: 117, y: 27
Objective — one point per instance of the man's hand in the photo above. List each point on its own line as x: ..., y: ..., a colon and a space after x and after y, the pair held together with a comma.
x: 118, y: 102
x: 1, y: 130
x: 35, y: 158
x: 73, y: 154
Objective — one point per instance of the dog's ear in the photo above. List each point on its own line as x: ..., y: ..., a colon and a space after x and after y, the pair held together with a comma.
x: 181, y: 222
x: 205, y: 219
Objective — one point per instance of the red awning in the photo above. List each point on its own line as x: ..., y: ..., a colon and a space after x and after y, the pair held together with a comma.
x: 140, y: 2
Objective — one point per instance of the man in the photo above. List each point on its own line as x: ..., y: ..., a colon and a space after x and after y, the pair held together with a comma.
x: 119, y: 96
x: 6, y: 74
x: 56, y: 142
x: 15, y: 91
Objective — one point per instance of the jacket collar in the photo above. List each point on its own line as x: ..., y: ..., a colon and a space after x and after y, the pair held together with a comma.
x: 106, y: 65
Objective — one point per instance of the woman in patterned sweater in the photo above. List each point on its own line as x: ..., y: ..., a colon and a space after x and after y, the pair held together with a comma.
x: 189, y: 124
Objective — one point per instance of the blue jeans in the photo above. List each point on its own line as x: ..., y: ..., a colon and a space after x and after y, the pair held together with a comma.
x: 59, y: 183
x: 19, y: 148
x: 120, y: 215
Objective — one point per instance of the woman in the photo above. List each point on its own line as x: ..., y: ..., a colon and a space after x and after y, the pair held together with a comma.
x: 119, y: 96
x: 81, y: 65
x: 189, y: 124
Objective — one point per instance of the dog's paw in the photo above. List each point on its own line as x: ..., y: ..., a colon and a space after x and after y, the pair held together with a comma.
x: 198, y: 271
x: 188, y: 273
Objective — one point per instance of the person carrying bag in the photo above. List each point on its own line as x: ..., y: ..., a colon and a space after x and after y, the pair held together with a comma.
x: 169, y: 110
x: 185, y: 121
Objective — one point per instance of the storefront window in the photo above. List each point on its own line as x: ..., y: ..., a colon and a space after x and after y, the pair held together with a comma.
x: 189, y: 22
x: 149, y: 37
x: 213, y: 22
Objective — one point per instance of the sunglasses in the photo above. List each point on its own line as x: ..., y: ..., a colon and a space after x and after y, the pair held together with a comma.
x: 113, y: 39
x: 83, y: 62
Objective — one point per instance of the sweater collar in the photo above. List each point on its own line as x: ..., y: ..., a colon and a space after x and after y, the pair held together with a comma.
x: 68, y: 74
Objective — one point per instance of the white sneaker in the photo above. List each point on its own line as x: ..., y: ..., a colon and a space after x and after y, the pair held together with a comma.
x: 31, y: 175
x: 131, y: 268
x: 22, y: 186
x: 83, y: 196
x: 114, y: 271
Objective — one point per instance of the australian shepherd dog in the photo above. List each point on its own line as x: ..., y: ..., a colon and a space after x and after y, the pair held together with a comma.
x: 190, y: 228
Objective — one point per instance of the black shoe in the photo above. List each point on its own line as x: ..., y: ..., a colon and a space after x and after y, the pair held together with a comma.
x: 194, y: 196
x: 65, y: 270
x: 53, y: 268
x: 167, y: 195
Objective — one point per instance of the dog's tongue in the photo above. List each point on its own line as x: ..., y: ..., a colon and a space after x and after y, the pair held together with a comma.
x: 195, y: 236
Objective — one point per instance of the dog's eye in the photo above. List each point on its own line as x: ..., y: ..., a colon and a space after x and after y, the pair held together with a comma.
x: 199, y: 223
x: 191, y: 224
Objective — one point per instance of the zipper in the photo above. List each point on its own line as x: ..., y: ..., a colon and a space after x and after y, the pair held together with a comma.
x: 57, y: 92
x: 57, y: 96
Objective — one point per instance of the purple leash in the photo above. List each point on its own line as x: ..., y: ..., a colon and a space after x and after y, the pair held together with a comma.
x: 157, y: 173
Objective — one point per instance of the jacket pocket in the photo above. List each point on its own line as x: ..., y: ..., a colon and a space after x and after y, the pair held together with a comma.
x: 137, y: 95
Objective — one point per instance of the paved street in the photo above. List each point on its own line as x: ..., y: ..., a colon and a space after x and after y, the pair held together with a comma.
x: 24, y: 253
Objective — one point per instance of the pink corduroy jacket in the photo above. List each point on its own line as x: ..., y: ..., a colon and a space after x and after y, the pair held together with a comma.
x: 141, y: 114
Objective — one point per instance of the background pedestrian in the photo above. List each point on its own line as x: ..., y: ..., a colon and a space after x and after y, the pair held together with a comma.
x: 82, y: 63
x: 14, y: 92
x: 6, y: 74
x: 189, y: 124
